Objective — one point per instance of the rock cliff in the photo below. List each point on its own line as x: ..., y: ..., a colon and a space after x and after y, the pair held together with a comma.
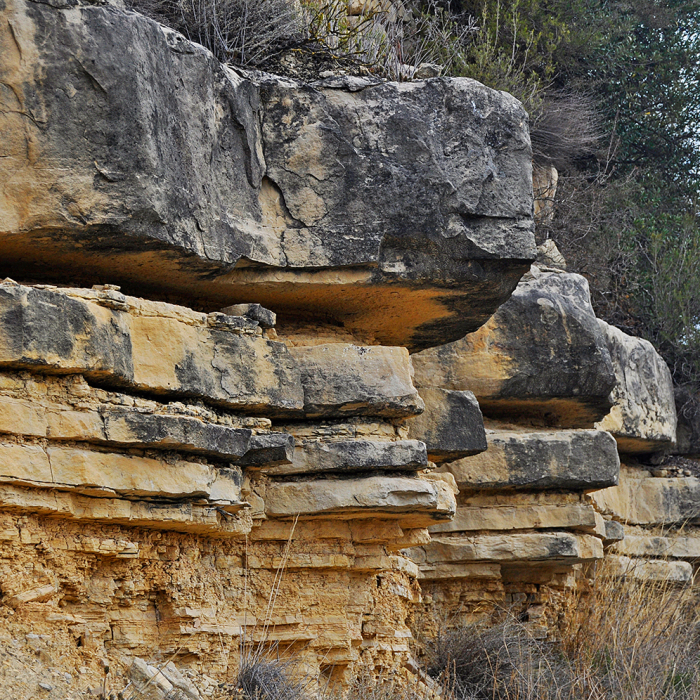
x: 212, y: 434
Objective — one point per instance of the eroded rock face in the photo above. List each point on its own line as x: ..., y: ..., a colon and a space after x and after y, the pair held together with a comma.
x: 132, y: 154
x: 121, y: 416
x: 451, y: 425
x: 642, y: 499
x: 574, y: 460
x: 542, y: 354
x: 643, y: 416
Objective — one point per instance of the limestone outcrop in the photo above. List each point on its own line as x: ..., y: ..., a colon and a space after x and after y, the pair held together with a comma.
x: 213, y: 435
x: 214, y: 280
x: 542, y: 355
x: 562, y: 395
x: 643, y: 416
x: 403, y: 211
x: 525, y: 525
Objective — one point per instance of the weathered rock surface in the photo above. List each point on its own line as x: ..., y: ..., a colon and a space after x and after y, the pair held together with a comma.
x: 349, y: 498
x: 451, y: 425
x: 345, y: 456
x: 550, y: 547
x: 344, y: 380
x: 575, y: 516
x: 575, y: 460
x: 643, y: 416
x: 658, y: 570
x: 268, y: 450
x: 641, y: 499
x: 543, y: 353
x: 688, y: 428
x: 132, y: 154
x: 98, y: 473
x: 150, y: 347
x: 659, y: 546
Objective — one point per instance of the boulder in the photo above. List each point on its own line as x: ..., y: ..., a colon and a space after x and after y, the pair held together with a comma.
x: 643, y: 415
x: 451, y: 425
x: 542, y: 354
x: 576, y: 460
x: 132, y: 155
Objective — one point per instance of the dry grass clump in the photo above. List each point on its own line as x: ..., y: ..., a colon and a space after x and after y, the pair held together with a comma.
x: 623, y: 639
x: 244, y: 32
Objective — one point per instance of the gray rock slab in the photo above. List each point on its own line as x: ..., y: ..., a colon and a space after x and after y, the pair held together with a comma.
x: 131, y: 154
x: 268, y: 450
x: 574, y: 516
x: 542, y: 354
x: 344, y: 456
x: 659, y: 547
x: 422, y: 500
x: 50, y: 331
x: 451, y: 425
x: 105, y: 474
x: 528, y: 547
x: 650, y: 570
x: 130, y: 428
x: 643, y: 415
x: 577, y: 460
x: 347, y: 380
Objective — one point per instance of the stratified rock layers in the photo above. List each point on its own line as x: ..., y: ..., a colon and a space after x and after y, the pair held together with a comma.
x: 204, y: 455
x: 132, y: 154
x: 238, y: 448
x: 549, y: 495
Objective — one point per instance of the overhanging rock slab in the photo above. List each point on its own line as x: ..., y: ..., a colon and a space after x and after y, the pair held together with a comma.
x: 403, y: 210
x: 542, y: 355
x: 159, y: 353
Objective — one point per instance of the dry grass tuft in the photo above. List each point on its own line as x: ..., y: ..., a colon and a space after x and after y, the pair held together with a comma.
x: 623, y: 639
